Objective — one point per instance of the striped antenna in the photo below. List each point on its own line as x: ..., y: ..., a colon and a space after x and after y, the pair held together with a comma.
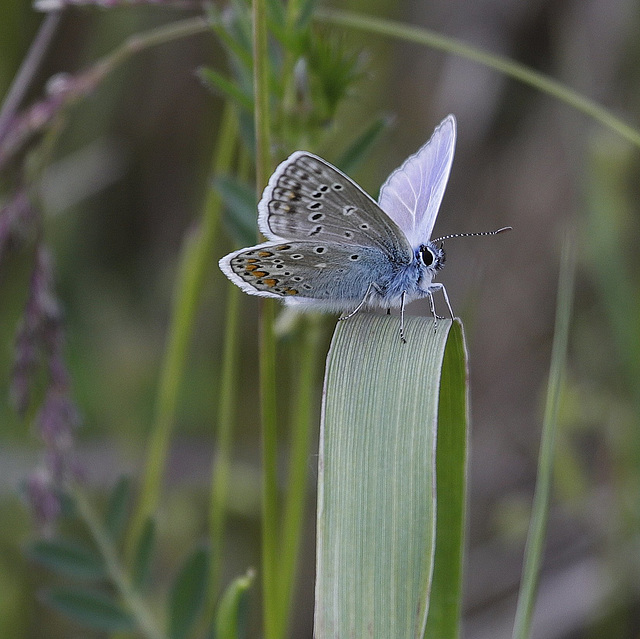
x: 448, y: 237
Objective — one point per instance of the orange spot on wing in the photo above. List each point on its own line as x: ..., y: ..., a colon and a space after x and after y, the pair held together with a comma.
x: 265, y: 254
x: 270, y: 282
x: 291, y: 291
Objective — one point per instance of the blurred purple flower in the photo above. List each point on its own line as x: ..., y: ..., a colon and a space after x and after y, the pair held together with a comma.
x: 40, y: 345
x: 39, y: 335
x: 62, y: 90
x: 16, y: 216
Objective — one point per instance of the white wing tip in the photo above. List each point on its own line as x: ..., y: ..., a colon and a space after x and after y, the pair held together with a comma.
x: 225, y: 266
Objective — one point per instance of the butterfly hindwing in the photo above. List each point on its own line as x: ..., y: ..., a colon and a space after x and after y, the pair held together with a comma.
x: 308, y: 199
x: 331, y: 273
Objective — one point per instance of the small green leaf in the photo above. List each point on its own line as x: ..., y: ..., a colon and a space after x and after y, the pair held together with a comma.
x: 241, y: 208
x: 226, y: 88
x: 231, y: 618
x: 187, y: 594
x: 67, y: 558
x: 92, y: 609
x: 144, y: 553
x: 117, y: 507
x: 357, y: 151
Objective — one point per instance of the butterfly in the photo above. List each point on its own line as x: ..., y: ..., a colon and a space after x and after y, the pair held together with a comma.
x: 332, y: 247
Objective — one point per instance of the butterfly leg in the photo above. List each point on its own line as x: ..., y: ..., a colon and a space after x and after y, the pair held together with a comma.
x: 357, y: 308
x: 440, y: 287
x: 432, y: 307
x: 432, y: 289
x: 402, y: 338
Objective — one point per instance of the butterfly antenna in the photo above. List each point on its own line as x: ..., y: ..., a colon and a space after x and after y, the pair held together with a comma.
x: 448, y: 237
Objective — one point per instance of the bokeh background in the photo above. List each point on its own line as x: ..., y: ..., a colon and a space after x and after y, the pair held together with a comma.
x: 128, y: 182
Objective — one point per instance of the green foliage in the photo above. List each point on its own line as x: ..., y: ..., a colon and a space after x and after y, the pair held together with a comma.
x: 231, y: 619
x: 188, y: 593
x: 67, y: 558
x: 143, y: 555
x: 91, y: 609
x: 117, y: 508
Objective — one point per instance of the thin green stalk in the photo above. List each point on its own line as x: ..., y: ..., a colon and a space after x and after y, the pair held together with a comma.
x: 537, y: 527
x: 297, y: 484
x: 222, y: 463
x: 508, y: 67
x: 220, y: 477
x: 195, y: 263
x: 262, y: 121
x: 144, y: 617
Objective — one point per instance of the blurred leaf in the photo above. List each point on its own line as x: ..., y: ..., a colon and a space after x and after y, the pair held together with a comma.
x: 231, y: 618
x: 226, y: 88
x: 276, y: 12
x: 247, y: 132
x: 117, y: 507
x: 143, y: 555
x: 92, y: 609
x: 239, y: 51
x: 361, y: 146
x: 67, y: 558
x: 187, y: 594
x: 305, y: 14
x: 242, y: 25
x: 241, y: 208
x: 334, y: 67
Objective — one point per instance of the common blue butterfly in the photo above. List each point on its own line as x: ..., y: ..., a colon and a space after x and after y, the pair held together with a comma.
x: 332, y: 247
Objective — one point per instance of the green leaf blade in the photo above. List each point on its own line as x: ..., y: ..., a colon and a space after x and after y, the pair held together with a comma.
x: 92, y: 609
x: 376, y: 495
x: 67, y: 558
x: 187, y: 594
x: 144, y: 555
x: 451, y: 469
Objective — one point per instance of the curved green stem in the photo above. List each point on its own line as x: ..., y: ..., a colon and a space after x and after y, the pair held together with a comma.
x: 520, y: 72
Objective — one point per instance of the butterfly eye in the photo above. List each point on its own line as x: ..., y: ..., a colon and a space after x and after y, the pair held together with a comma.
x: 426, y: 255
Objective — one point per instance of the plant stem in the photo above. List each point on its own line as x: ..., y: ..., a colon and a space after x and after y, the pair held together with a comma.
x: 28, y: 69
x: 270, y: 586
x: 301, y: 430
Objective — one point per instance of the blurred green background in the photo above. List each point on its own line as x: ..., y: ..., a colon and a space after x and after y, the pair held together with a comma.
x: 129, y: 179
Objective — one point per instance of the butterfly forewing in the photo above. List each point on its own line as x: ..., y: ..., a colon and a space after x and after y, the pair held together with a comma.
x: 412, y: 194
x: 307, y: 199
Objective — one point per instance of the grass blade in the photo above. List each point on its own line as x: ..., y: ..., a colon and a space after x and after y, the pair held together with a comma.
x: 376, y: 493
x: 538, y: 524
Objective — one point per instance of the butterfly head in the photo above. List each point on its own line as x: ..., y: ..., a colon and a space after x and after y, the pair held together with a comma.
x: 431, y: 256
